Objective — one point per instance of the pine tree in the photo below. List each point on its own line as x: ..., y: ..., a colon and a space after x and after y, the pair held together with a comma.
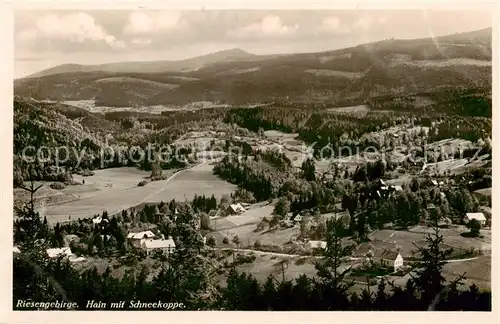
x: 429, y: 280
x: 328, y: 270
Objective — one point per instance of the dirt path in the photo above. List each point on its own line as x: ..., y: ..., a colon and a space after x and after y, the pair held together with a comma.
x: 317, y: 256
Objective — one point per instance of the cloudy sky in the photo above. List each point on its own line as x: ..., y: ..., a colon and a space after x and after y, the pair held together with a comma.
x: 47, y: 38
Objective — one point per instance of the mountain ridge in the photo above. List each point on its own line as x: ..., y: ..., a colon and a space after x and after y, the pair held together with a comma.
x: 236, y: 77
x: 230, y: 55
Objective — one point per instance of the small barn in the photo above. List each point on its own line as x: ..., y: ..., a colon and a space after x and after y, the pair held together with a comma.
x: 477, y: 216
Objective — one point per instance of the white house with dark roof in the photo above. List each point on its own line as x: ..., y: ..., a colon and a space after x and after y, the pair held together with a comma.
x: 316, y: 244
x: 236, y: 209
x: 477, y: 216
x: 297, y: 218
x: 398, y: 263
x: 163, y: 245
x: 137, y: 238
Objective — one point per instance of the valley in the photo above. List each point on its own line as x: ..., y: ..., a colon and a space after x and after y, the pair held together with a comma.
x: 310, y: 177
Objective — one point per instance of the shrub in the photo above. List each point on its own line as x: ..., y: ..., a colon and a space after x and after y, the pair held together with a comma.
x: 225, y: 240
x: 242, y: 259
x: 211, y: 241
x: 87, y: 173
x: 205, y: 222
x: 57, y: 185
x: 142, y: 183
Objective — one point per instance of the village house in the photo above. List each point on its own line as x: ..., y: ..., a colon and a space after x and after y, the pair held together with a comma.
x: 162, y: 245
x: 387, y: 256
x: 137, y: 238
x: 445, y: 222
x: 477, y: 216
x: 384, y: 252
x: 316, y: 245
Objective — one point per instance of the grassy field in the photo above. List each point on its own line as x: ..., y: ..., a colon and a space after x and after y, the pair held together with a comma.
x: 350, y: 109
x: 244, y: 226
x: 405, y: 240
x: 476, y: 271
x: 265, y: 265
x: 116, y: 189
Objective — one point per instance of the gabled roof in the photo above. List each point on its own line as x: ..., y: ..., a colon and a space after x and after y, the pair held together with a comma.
x: 141, y: 235
x: 237, y: 207
x: 297, y: 218
x: 159, y: 244
x: 477, y: 216
x: 386, y: 254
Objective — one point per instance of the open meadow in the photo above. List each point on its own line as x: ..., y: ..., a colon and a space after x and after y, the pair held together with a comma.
x: 116, y: 189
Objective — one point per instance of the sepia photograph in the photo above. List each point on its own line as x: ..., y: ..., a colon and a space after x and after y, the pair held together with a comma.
x: 252, y: 160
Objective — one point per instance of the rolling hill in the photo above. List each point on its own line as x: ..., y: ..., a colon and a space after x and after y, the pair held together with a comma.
x: 154, y: 66
x: 389, y: 67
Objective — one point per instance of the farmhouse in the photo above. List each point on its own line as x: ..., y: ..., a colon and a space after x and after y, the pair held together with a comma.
x: 57, y: 252
x: 162, y: 245
x: 235, y: 209
x: 389, y: 256
x: 477, y: 216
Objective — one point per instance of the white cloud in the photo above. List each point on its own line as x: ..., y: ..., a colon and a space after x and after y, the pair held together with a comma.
x: 333, y: 25
x: 269, y: 26
x: 363, y: 23
x: 75, y: 27
x: 144, y: 23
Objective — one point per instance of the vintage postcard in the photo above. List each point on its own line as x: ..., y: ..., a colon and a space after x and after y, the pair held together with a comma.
x: 211, y: 158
